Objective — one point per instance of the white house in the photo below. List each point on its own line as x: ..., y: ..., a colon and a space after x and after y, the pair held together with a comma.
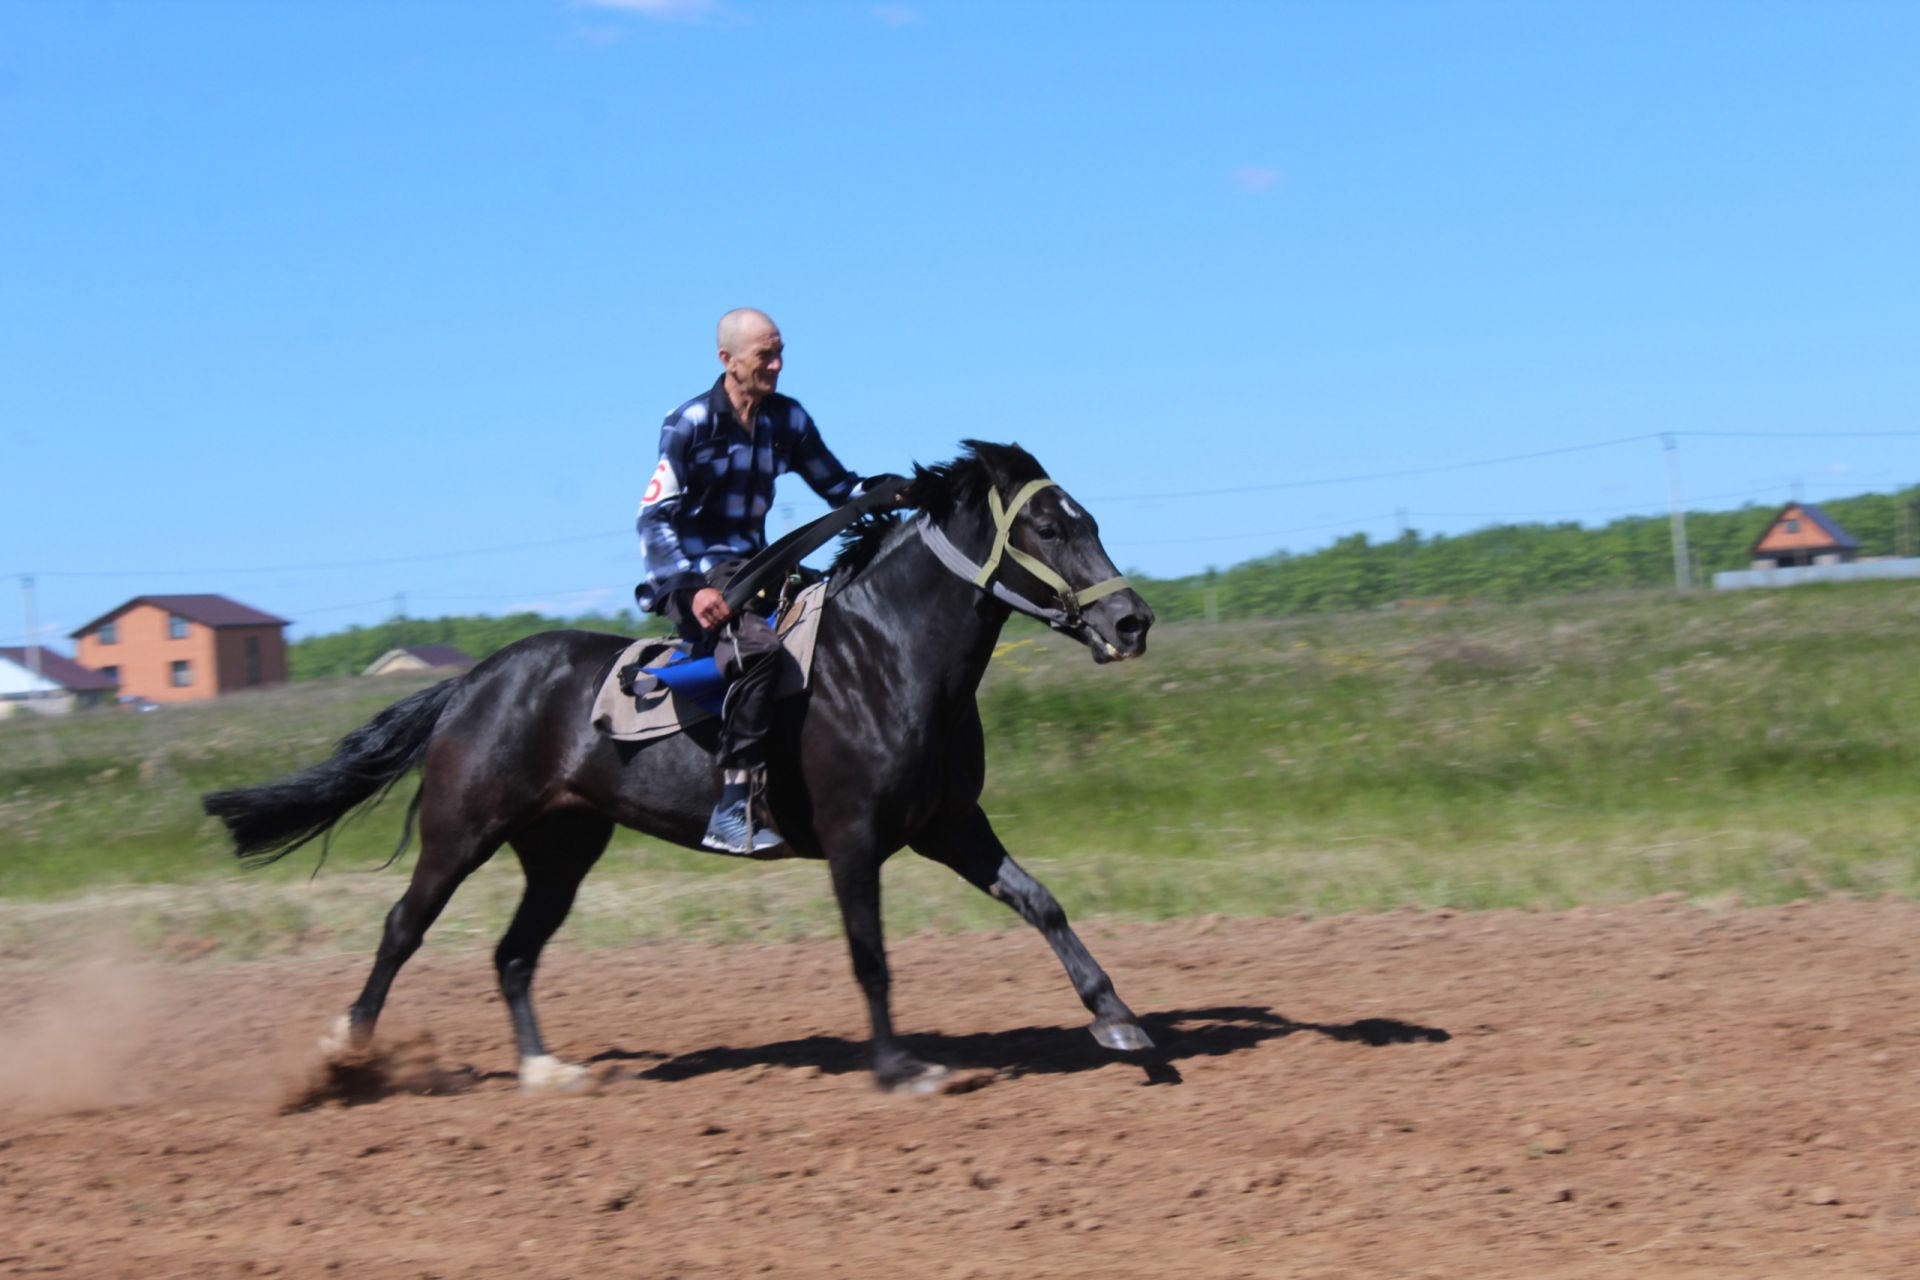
x: 62, y: 685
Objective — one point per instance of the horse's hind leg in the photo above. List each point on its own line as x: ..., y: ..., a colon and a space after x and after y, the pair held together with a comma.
x: 556, y: 853
x: 446, y: 859
x: 971, y: 848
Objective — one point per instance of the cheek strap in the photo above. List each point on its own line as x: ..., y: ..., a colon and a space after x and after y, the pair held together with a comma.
x: 1003, y: 518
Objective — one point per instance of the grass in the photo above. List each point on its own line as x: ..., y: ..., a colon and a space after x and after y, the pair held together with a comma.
x: 1757, y: 747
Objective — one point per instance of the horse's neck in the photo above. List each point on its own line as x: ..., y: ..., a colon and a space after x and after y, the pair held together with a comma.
x: 941, y: 628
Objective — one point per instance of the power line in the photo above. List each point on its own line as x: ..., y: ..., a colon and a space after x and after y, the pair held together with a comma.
x: 1227, y: 491
x: 336, y: 608
x: 1582, y: 511
x: 335, y: 564
x: 1490, y: 462
x: 1270, y: 533
x: 1802, y: 435
x: 1378, y: 475
x: 521, y: 595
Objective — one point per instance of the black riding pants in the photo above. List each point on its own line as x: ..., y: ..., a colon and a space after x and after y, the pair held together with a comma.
x: 748, y: 654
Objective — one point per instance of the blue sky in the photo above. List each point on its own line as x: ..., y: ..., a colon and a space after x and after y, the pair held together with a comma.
x: 302, y: 285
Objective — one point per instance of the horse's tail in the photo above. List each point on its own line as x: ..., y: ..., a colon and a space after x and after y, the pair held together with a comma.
x: 271, y: 820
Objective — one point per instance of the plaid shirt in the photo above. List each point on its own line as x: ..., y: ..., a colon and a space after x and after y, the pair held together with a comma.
x: 707, y: 501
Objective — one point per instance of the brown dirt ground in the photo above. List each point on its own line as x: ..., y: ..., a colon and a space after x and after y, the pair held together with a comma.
x: 1653, y: 1090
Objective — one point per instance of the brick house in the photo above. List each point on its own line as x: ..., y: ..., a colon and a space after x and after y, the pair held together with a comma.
x: 184, y: 648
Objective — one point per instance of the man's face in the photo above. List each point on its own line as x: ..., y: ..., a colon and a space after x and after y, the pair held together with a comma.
x: 756, y: 366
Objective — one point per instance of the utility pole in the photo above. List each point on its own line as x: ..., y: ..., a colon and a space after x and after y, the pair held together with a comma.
x: 1401, y: 560
x: 1676, y: 518
x: 33, y: 632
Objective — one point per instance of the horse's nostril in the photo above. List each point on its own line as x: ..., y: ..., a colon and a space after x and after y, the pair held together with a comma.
x: 1131, y: 627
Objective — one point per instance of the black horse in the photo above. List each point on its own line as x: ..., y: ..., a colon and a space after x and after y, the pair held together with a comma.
x: 885, y: 751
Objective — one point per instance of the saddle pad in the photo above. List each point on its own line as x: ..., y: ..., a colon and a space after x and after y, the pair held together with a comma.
x: 655, y: 711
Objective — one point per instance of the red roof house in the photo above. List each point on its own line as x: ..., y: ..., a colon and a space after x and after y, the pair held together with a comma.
x: 1802, y: 534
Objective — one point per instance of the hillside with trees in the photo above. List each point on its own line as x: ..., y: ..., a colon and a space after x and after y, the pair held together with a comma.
x: 348, y: 653
x: 1504, y: 563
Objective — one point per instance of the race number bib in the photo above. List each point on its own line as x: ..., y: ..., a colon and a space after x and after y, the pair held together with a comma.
x: 664, y: 485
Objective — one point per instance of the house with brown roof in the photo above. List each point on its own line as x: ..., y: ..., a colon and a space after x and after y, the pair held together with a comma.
x: 38, y: 679
x: 422, y: 657
x: 185, y: 648
x: 1802, y: 534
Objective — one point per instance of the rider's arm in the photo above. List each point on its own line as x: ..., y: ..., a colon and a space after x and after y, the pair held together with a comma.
x: 669, y: 567
x: 817, y: 465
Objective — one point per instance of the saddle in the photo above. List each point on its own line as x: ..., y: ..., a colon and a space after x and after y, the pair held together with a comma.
x: 656, y: 687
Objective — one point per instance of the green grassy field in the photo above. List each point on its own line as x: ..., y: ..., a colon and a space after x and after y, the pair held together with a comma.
x: 1753, y: 746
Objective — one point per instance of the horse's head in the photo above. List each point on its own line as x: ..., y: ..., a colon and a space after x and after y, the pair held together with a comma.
x: 1021, y: 536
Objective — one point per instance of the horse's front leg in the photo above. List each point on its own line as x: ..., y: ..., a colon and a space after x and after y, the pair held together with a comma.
x: 856, y: 883
x: 971, y: 848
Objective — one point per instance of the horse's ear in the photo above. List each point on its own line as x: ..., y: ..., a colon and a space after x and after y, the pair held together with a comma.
x: 1006, y: 466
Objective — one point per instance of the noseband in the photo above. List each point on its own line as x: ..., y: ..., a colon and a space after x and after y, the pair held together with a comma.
x: 1071, y: 601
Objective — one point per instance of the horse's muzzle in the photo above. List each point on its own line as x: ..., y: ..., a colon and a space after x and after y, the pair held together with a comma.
x: 1116, y: 627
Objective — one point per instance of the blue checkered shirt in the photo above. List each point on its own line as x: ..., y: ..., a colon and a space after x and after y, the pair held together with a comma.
x: 707, y: 501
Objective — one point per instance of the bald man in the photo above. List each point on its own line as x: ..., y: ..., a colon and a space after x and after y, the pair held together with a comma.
x: 703, y: 514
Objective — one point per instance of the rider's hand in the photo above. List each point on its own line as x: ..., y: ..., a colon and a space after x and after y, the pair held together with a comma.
x: 710, y: 607
x: 887, y: 482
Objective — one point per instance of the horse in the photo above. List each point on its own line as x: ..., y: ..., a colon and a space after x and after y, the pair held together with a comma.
x: 884, y: 751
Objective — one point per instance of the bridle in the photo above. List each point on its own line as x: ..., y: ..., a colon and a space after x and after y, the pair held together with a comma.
x: 1064, y: 615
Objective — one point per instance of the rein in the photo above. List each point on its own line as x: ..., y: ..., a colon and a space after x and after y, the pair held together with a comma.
x: 983, y: 575
x: 771, y: 562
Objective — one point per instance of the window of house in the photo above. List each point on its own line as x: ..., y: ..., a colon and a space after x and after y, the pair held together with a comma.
x: 1793, y: 526
x: 176, y: 627
x: 109, y: 633
x: 182, y: 673
x: 253, y: 659
x: 111, y: 673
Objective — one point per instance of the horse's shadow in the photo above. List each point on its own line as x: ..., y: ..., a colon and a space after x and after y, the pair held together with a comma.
x: 1178, y: 1034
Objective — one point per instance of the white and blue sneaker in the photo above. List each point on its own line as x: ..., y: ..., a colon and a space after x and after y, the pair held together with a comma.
x: 731, y: 828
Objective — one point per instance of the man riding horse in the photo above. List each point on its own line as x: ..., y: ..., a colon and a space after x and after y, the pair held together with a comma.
x: 704, y: 513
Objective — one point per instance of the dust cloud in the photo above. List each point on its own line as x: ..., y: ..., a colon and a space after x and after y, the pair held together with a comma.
x: 76, y: 1048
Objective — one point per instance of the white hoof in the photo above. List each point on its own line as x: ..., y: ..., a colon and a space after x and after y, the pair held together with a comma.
x: 544, y: 1073
x: 930, y: 1079
x: 338, y: 1036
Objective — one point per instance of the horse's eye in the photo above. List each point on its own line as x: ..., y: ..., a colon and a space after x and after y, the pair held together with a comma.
x: 1048, y: 532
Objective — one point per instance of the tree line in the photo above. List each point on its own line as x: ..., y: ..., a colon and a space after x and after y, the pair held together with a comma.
x: 349, y: 652
x: 1507, y: 562
x: 1503, y: 562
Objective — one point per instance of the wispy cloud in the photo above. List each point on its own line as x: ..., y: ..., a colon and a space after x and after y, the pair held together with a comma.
x: 895, y: 15
x: 1255, y: 177
x: 663, y: 10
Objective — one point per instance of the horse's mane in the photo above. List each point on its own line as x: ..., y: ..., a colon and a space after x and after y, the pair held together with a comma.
x: 938, y: 490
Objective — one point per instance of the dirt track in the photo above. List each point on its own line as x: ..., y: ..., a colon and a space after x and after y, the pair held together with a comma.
x: 1655, y: 1090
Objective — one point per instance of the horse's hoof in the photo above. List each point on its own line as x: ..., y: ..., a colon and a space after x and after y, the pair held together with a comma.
x: 544, y: 1073
x: 1126, y: 1037
x: 337, y: 1038
x: 920, y: 1079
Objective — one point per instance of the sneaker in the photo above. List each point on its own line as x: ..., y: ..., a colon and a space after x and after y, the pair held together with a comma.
x: 731, y: 830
